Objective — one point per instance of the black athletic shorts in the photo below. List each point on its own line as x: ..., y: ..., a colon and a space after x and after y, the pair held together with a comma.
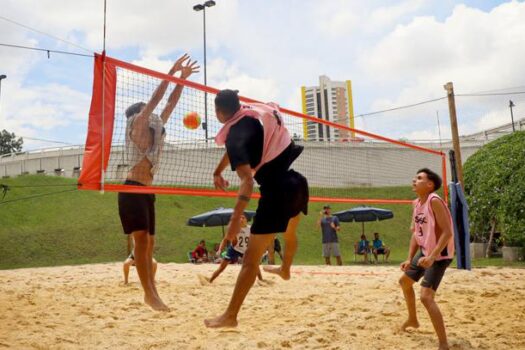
x: 136, y: 210
x: 431, y: 276
x: 282, y: 198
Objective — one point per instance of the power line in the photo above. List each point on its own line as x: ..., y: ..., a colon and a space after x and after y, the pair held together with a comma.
x: 46, y: 50
x: 491, y: 94
x: 44, y: 140
x: 36, y: 196
x: 400, y: 107
x: 32, y: 186
x: 501, y: 89
x: 44, y: 33
x: 442, y: 98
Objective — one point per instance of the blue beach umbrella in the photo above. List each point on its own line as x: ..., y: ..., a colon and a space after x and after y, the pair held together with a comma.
x: 217, y: 217
x: 364, y: 214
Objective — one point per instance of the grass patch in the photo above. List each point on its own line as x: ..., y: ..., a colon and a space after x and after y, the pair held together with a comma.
x: 81, y: 227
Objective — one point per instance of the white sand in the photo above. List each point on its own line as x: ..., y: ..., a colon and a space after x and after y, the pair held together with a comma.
x: 88, y: 307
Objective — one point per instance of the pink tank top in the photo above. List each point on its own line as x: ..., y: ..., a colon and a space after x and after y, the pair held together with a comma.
x: 425, y: 228
x: 276, y: 136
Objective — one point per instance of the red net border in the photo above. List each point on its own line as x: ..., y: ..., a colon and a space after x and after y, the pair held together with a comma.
x: 100, y: 132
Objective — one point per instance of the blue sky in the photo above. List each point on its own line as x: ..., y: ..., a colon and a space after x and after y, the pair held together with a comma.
x: 395, y: 53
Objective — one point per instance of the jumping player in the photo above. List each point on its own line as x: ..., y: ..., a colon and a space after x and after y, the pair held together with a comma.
x: 145, y: 135
x: 258, y: 147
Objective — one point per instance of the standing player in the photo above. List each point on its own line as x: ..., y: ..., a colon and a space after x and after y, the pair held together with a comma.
x: 257, y: 142
x: 233, y: 253
x: 430, y: 253
x: 144, y: 140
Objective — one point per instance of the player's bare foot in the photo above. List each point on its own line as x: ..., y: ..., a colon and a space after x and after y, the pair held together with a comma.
x: 409, y: 324
x: 221, y: 321
x: 156, y: 304
x: 285, y: 275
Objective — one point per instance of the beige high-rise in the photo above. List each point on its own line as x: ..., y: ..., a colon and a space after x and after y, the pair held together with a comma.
x: 331, y: 101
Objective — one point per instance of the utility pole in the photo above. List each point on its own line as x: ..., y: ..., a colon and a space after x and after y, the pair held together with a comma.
x: 2, y: 77
x: 449, y: 87
x: 202, y: 7
x: 511, y: 104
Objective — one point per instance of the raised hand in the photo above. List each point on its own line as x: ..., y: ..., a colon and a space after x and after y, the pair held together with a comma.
x: 189, y: 69
x: 177, y: 66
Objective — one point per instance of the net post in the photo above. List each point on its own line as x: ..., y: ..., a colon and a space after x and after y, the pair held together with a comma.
x: 444, y: 170
x: 102, y: 171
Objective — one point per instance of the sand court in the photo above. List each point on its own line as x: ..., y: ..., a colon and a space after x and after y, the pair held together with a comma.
x: 350, y: 307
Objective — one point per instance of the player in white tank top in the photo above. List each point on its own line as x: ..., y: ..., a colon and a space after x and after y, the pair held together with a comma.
x: 233, y: 253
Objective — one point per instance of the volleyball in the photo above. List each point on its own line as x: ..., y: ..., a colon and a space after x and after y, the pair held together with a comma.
x: 192, y: 120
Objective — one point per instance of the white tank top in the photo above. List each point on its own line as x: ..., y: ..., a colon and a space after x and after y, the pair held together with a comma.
x: 134, y: 155
x: 242, y: 239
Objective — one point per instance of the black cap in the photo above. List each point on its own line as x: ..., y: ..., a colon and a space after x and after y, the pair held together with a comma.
x: 326, y: 207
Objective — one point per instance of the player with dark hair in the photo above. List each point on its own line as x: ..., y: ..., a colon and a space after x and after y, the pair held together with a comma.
x: 259, y: 148
x: 430, y: 253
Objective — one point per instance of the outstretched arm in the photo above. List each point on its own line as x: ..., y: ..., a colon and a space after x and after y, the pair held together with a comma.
x: 186, y: 70
x: 159, y: 92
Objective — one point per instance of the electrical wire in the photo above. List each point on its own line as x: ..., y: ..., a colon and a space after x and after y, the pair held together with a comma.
x: 44, y: 140
x: 46, y: 50
x: 400, y: 107
x: 44, y: 33
x: 36, y: 196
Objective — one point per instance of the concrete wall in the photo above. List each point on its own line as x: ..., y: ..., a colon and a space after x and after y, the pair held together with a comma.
x: 43, y: 161
x: 329, y: 165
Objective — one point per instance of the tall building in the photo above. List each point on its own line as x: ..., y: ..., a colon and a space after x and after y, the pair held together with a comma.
x: 331, y: 101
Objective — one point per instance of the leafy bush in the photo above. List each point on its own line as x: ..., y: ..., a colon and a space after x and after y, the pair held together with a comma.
x: 495, y: 188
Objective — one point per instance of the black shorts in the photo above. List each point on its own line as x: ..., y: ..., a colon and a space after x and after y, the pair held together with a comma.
x: 431, y: 276
x: 380, y: 251
x: 281, y: 199
x: 136, y: 210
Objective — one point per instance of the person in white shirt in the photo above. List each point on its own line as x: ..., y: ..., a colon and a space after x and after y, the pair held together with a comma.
x: 233, y: 253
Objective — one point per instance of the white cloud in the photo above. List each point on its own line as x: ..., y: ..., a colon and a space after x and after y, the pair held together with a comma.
x: 395, y: 53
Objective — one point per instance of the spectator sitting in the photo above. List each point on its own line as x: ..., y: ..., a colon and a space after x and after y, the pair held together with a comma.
x: 200, y: 254
x: 379, y: 248
x: 363, y: 248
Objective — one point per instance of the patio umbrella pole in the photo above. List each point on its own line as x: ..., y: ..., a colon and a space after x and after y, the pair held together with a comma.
x: 363, y: 228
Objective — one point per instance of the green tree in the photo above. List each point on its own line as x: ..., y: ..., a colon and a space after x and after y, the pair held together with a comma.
x: 495, y: 188
x: 9, y: 143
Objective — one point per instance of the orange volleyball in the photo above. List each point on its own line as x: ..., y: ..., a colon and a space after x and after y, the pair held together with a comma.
x: 192, y: 120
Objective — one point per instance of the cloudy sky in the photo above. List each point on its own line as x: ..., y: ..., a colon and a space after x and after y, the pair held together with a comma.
x: 395, y: 52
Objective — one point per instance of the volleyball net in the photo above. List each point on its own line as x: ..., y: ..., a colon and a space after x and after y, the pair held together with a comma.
x: 341, y: 164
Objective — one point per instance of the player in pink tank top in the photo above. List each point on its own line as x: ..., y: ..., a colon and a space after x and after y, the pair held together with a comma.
x: 259, y: 149
x: 430, y: 253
